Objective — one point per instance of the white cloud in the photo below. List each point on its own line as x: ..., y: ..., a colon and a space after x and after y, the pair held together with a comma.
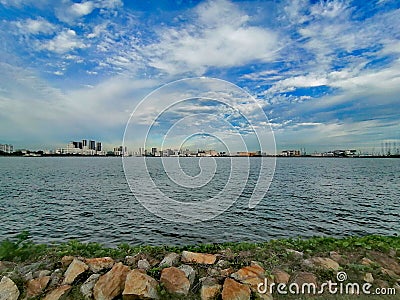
x: 298, y: 81
x: 82, y: 9
x: 219, y: 37
x: 64, y: 42
x: 69, y: 11
x: 35, y: 26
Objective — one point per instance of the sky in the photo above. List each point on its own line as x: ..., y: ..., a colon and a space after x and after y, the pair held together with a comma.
x: 325, y: 73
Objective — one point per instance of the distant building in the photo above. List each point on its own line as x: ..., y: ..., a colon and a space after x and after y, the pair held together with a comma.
x: 120, y: 151
x: 290, y: 153
x: 99, y: 147
x: 92, y: 145
x: 82, y: 148
x: 6, y: 148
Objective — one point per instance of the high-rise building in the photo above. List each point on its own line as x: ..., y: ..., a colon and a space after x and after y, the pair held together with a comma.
x: 99, y: 147
x: 84, y: 143
x: 92, y: 145
x: 154, y: 151
x: 6, y: 148
x: 141, y: 151
x: 120, y: 151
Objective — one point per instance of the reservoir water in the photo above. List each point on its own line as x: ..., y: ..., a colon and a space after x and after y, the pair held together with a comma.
x: 87, y: 198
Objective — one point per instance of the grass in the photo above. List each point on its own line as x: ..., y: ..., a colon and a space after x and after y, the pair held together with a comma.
x: 21, y: 248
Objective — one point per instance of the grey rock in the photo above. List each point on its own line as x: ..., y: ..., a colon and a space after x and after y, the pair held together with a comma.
x: 143, y: 264
x: 88, y: 285
x: 41, y: 273
x: 189, y: 272
x: 171, y: 260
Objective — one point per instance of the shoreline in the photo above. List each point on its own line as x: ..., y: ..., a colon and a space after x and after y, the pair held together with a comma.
x: 75, y: 269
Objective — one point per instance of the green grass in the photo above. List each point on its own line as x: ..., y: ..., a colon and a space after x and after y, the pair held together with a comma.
x: 21, y: 248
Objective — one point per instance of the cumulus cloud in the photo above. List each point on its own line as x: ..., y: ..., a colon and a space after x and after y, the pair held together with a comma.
x: 35, y: 26
x: 220, y: 36
x: 64, y: 42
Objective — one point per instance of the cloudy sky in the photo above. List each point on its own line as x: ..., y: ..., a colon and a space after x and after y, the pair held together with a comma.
x: 326, y: 73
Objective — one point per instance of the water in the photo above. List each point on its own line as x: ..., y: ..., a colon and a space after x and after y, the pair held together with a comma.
x: 59, y: 198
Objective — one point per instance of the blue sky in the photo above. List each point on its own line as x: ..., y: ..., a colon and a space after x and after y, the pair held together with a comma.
x: 326, y: 73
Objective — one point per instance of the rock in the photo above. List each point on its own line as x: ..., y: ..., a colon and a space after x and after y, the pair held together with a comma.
x: 87, y: 287
x: 198, y: 258
x: 139, y: 286
x: 35, y: 287
x: 381, y: 284
x: 251, y: 275
x: 233, y: 290
x: 389, y: 273
x: 296, y: 254
x: 175, y: 281
x: 386, y: 262
x: 6, y: 265
x: 57, y: 293
x: 99, y: 264
x: 368, y: 278
x: 28, y: 276
x: 336, y: 257
x: 367, y: 262
x: 264, y: 296
x: 41, y: 273
x: 171, y: 260
x: 75, y: 269
x: 280, y: 276
x: 143, y: 264
x: 66, y: 260
x: 213, y: 272
x: 226, y: 272
x: 301, y: 278
x: 111, y: 284
x: 131, y: 260
x: 223, y: 264
x: 210, y: 289
x: 55, y: 278
x: 8, y: 289
x: 189, y: 272
x: 325, y: 263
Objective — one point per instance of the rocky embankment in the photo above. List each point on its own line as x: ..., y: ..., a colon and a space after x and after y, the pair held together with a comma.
x: 225, y: 274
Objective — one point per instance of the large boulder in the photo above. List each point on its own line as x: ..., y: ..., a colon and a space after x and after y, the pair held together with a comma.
x: 99, y: 264
x: 280, y: 276
x: 57, y: 293
x: 35, y: 287
x: 111, y: 284
x: 251, y: 275
x: 8, y: 289
x: 139, y: 286
x: 75, y: 269
x: 175, y: 281
x: 198, y: 258
x: 306, y: 281
x: 323, y: 263
x: 210, y: 289
x: 233, y: 290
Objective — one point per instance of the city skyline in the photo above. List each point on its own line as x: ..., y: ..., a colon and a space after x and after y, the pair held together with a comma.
x: 326, y: 74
